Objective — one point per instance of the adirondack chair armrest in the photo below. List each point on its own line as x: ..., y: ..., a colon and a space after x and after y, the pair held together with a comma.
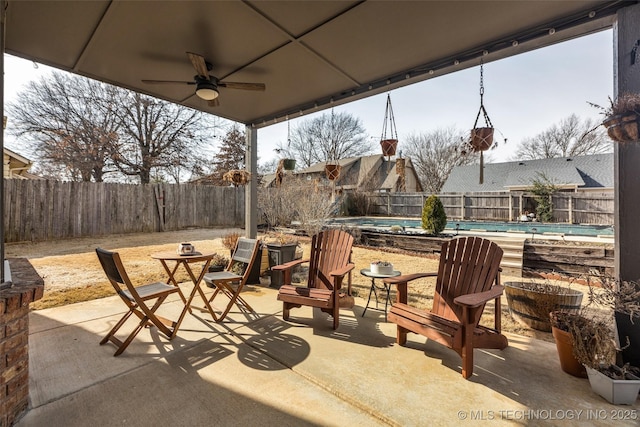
x: 341, y: 272
x: 289, y: 265
x: 476, y: 300
x: 407, y: 278
x: 402, y: 284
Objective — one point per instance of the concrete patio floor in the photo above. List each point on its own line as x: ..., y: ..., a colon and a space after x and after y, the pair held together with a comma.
x: 260, y: 370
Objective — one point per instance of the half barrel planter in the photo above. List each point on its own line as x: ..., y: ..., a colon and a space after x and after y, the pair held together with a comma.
x: 531, y: 307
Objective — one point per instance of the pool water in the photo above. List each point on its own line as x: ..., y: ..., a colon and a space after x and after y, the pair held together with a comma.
x: 489, y: 226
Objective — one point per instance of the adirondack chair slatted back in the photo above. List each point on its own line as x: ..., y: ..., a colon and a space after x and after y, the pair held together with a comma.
x: 330, y: 249
x: 467, y: 265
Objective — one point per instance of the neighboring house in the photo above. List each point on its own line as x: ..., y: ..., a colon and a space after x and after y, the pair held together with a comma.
x: 370, y: 173
x: 592, y: 173
x: 16, y: 166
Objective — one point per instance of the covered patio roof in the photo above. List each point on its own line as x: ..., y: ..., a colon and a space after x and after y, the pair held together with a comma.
x: 310, y: 54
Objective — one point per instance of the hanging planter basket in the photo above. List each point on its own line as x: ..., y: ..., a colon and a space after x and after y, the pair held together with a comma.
x: 332, y: 171
x: 289, y: 164
x: 389, y: 147
x: 623, y: 127
x: 389, y: 138
x: 237, y: 177
x: 481, y: 138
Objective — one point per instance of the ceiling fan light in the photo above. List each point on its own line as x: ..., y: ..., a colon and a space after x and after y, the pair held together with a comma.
x: 207, y: 91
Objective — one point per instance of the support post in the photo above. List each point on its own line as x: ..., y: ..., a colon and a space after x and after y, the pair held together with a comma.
x: 626, y: 33
x: 251, y: 190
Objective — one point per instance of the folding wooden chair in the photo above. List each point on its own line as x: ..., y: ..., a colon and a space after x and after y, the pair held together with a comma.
x: 136, y: 299
x: 230, y: 282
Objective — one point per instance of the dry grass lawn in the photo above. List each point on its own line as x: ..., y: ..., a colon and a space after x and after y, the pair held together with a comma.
x: 72, y: 272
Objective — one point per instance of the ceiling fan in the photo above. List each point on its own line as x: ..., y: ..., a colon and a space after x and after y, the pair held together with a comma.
x: 207, y: 85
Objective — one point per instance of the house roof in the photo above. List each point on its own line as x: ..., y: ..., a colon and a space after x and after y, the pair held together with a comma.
x: 580, y: 172
x: 357, y: 172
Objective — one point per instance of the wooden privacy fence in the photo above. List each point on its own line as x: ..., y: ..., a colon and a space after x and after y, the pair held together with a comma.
x: 573, y: 208
x: 38, y: 210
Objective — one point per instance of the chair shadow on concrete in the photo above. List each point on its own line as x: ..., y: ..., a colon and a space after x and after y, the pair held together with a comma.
x: 70, y: 373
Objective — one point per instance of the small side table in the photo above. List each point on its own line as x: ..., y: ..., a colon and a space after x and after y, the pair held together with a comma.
x: 367, y: 273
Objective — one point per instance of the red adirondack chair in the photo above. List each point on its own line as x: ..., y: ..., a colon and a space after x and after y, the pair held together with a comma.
x: 468, y: 277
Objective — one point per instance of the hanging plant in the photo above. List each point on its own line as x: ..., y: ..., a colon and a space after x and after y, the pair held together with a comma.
x: 237, y: 177
x: 389, y: 142
x: 481, y: 138
x: 622, y: 117
x: 289, y: 164
x: 332, y: 170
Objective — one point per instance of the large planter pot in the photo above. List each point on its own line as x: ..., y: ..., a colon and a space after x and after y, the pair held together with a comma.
x: 628, y: 327
x: 389, y: 146
x: 568, y: 362
x: 618, y: 392
x: 332, y: 171
x: 481, y: 138
x: 530, y: 305
x: 623, y: 127
x: 280, y: 254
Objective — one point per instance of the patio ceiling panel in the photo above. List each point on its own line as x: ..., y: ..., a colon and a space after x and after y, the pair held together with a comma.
x: 305, y: 76
x: 311, y: 55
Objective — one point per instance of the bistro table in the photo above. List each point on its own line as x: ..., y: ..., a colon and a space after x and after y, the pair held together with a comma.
x: 185, y: 260
x: 367, y: 273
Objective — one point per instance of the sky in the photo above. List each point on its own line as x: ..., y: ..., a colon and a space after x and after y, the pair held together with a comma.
x: 523, y: 95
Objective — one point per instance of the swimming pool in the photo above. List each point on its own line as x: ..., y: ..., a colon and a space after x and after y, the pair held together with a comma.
x: 488, y: 226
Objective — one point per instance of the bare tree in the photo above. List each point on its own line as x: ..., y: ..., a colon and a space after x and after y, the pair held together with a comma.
x: 296, y: 199
x: 570, y: 137
x: 69, y: 122
x: 331, y: 136
x: 435, y: 154
x: 87, y: 129
x: 156, y: 134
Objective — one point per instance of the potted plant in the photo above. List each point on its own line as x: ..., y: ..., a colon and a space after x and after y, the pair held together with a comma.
x: 218, y: 263
x: 622, y: 117
x: 562, y: 324
x: 530, y: 302
x: 389, y: 143
x: 594, y: 347
x: 623, y: 297
x: 289, y: 164
x: 332, y: 170
x: 281, y: 249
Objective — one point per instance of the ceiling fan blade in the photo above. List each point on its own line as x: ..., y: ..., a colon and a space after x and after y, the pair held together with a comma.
x: 214, y: 102
x: 199, y: 64
x: 161, y: 82
x: 245, y: 86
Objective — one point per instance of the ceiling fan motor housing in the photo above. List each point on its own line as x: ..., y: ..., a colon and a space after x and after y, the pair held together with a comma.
x: 206, y: 89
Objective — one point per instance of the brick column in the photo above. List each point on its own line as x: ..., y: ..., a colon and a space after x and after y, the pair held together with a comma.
x: 14, y: 339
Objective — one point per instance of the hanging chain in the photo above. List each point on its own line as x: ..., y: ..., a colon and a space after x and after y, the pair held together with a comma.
x: 481, y: 79
x: 482, y: 109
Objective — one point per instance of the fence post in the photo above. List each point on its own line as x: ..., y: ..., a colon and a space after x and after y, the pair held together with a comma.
x: 570, y: 209
x: 510, y: 216
x: 388, y: 204
x: 462, y: 207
